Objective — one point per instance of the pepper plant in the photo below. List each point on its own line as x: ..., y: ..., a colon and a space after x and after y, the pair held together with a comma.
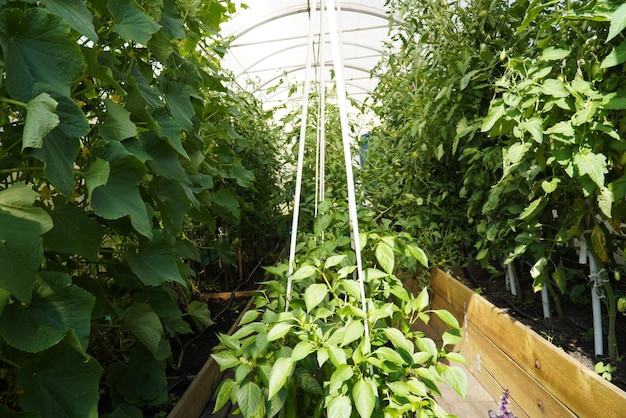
x: 307, y: 355
x: 118, y: 142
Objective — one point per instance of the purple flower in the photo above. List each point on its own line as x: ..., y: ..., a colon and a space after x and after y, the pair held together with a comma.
x: 504, y: 411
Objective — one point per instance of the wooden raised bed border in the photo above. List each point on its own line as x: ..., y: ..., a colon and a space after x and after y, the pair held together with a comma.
x: 199, y: 392
x: 503, y: 353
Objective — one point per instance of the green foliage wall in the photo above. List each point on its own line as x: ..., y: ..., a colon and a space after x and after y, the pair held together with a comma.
x: 122, y: 150
x: 497, y: 92
x: 502, y: 139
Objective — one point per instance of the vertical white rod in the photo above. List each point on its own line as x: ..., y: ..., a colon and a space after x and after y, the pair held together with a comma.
x: 512, y: 279
x: 345, y: 132
x: 596, y: 307
x: 322, y: 97
x: 545, y: 301
x: 296, y: 199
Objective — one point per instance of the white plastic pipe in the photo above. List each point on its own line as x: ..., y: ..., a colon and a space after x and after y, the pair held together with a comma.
x: 596, y: 306
x: 298, y: 191
x: 545, y: 302
x: 345, y: 133
x: 510, y: 273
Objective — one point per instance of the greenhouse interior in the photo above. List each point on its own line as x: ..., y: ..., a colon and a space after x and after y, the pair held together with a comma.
x: 367, y: 208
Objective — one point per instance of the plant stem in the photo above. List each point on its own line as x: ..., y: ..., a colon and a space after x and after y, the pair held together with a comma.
x: 20, y: 169
x: 612, y: 306
x: 12, y: 101
x: 9, y: 362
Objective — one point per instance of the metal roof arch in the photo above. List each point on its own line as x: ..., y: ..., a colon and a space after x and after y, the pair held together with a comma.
x: 293, y: 10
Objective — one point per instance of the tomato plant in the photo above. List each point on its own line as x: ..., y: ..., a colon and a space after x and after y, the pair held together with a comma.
x: 509, y: 117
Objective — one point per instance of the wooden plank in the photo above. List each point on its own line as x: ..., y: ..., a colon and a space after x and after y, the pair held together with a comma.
x: 496, y: 371
x: 199, y: 392
x: 557, y: 372
x: 480, y: 378
x: 228, y: 295
x: 484, y: 356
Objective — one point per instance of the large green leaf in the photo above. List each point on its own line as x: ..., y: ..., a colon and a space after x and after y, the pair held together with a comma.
x: 73, y: 232
x: 554, y: 87
x: 171, y: 23
x: 141, y: 95
x: 315, y: 294
x: 76, y: 13
x: 364, y: 396
x: 250, y: 400
x: 618, y: 22
x: 57, y: 308
x: 142, y: 382
x: 131, y: 22
x: 60, y: 383
x: 616, y: 57
x: 120, y: 196
x: 554, y: 54
x: 154, y: 262
x: 496, y: 111
x: 18, y: 201
x: 99, y: 71
x: 226, y: 200
x: 179, y: 102
x: 200, y: 313
x: 385, y: 257
x: 117, y: 125
x: 618, y: 188
x: 21, y: 252
x: 533, y: 209
x: 40, y: 119
x: 27, y: 41
x: 281, y: 371
x: 145, y: 324
x: 340, y: 407
x: 170, y: 130
x: 592, y: 164
x: 173, y: 203
x: 58, y: 154
x: 164, y: 159
x: 457, y: 379
x: 61, y: 146
x: 97, y: 175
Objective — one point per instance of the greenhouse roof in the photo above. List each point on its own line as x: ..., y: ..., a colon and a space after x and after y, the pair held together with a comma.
x: 268, y: 51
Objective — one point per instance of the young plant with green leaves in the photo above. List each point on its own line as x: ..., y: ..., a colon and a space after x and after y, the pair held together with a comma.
x: 308, y: 355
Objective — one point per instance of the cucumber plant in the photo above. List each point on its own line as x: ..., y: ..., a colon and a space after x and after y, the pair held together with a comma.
x: 117, y: 144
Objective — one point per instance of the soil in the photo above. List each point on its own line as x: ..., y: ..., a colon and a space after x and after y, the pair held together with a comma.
x: 194, y: 350
x: 572, y: 332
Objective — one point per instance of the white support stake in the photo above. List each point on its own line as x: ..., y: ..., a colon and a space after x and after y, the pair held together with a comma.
x: 595, y: 305
x: 345, y: 133
x: 512, y: 279
x: 545, y: 302
x: 298, y: 191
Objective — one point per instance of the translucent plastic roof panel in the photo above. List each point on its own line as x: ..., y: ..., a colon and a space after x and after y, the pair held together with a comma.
x: 270, y: 38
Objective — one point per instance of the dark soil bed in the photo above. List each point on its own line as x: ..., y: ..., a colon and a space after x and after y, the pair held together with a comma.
x: 194, y: 350
x: 573, y: 332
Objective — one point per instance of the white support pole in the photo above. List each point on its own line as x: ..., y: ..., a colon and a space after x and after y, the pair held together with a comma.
x: 322, y: 107
x: 596, y: 307
x: 512, y: 278
x: 296, y: 199
x: 345, y: 133
x: 545, y: 302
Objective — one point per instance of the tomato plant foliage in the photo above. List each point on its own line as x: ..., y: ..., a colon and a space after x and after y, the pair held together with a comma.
x: 123, y: 150
x: 506, y: 132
